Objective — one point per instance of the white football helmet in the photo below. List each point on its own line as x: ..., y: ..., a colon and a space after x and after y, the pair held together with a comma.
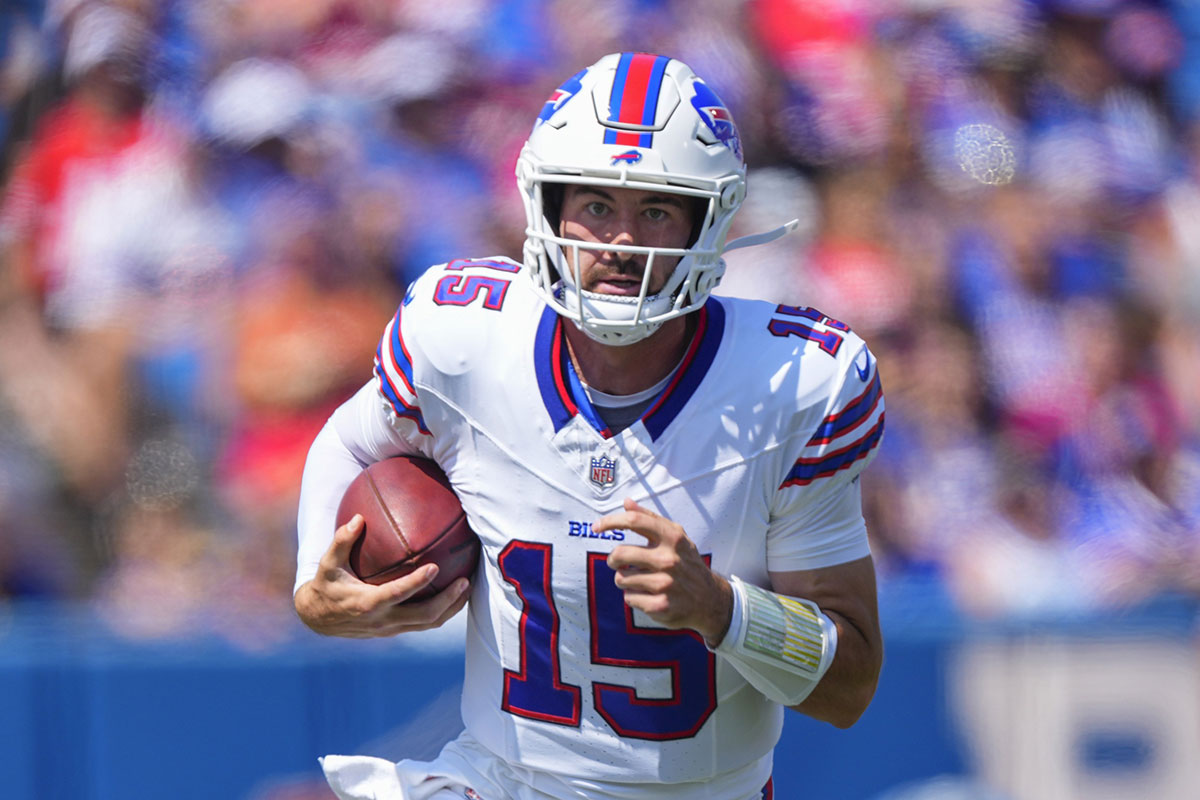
x: 637, y: 121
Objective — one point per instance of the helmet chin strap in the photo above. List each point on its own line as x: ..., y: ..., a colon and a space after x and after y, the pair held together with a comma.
x: 611, y: 309
x: 599, y: 315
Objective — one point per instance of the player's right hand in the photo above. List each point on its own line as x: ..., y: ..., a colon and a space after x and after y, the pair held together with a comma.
x: 337, y: 603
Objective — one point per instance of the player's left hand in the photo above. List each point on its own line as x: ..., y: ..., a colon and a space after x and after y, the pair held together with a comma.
x: 667, y: 578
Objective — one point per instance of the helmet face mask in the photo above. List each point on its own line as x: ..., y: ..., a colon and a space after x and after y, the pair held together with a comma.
x: 631, y: 121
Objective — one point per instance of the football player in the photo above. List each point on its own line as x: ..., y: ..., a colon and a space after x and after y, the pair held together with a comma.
x: 665, y: 482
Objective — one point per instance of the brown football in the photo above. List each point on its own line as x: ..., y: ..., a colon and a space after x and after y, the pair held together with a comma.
x: 412, y: 517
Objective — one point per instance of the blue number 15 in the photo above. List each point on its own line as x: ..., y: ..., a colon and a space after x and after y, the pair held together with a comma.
x: 462, y: 290
x: 536, y: 690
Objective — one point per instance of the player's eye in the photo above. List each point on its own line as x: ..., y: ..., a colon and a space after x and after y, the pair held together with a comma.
x: 596, y: 208
x: 657, y: 214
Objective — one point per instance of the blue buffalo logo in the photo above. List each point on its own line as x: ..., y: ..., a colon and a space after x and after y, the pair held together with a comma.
x: 628, y: 157
x: 560, y: 96
x: 717, y: 117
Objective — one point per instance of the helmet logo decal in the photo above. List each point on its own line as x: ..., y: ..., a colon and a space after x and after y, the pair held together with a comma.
x: 717, y: 117
x: 634, y: 97
x: 628, y: 157
x: 560, y: 96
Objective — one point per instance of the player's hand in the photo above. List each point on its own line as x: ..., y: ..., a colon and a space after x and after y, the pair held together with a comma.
x: 337, y: 603
x: 667, y: 578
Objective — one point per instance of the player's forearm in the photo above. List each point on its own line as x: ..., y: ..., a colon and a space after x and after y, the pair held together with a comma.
x: 355, y: 435
x: 846, y: 596
x: 846, y: 689
x: 329, y: 469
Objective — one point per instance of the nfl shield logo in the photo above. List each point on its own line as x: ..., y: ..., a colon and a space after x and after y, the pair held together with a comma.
x: 604, y: 471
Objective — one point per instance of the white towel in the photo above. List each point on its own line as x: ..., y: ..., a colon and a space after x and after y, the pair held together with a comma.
x: 370, y: 778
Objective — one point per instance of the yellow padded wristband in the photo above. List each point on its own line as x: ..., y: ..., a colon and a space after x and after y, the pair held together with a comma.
x: 782, y: 645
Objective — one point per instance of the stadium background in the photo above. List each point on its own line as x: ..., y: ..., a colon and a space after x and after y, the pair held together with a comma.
x: 210, y: 210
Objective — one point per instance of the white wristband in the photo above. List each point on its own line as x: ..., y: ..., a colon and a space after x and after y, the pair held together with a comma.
x: 782, y: 645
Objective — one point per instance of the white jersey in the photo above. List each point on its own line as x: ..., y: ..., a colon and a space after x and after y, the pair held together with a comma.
x: 753, y: 447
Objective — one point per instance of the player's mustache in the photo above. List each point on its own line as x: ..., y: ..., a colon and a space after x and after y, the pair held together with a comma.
x: 627, y: 266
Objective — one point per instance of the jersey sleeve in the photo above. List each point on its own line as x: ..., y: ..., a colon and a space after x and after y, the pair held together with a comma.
x: 395, y: 382
x: 816, y: 517
x: 383, y: 419
x: 360, y: 432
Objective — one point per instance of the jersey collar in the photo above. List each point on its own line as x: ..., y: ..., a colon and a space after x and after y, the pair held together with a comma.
x: 563, y: 394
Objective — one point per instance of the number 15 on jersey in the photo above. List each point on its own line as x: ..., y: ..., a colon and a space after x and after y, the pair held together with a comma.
x: 536, y: 690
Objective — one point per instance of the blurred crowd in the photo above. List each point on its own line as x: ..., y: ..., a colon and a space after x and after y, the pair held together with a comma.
x: 209, y: 210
